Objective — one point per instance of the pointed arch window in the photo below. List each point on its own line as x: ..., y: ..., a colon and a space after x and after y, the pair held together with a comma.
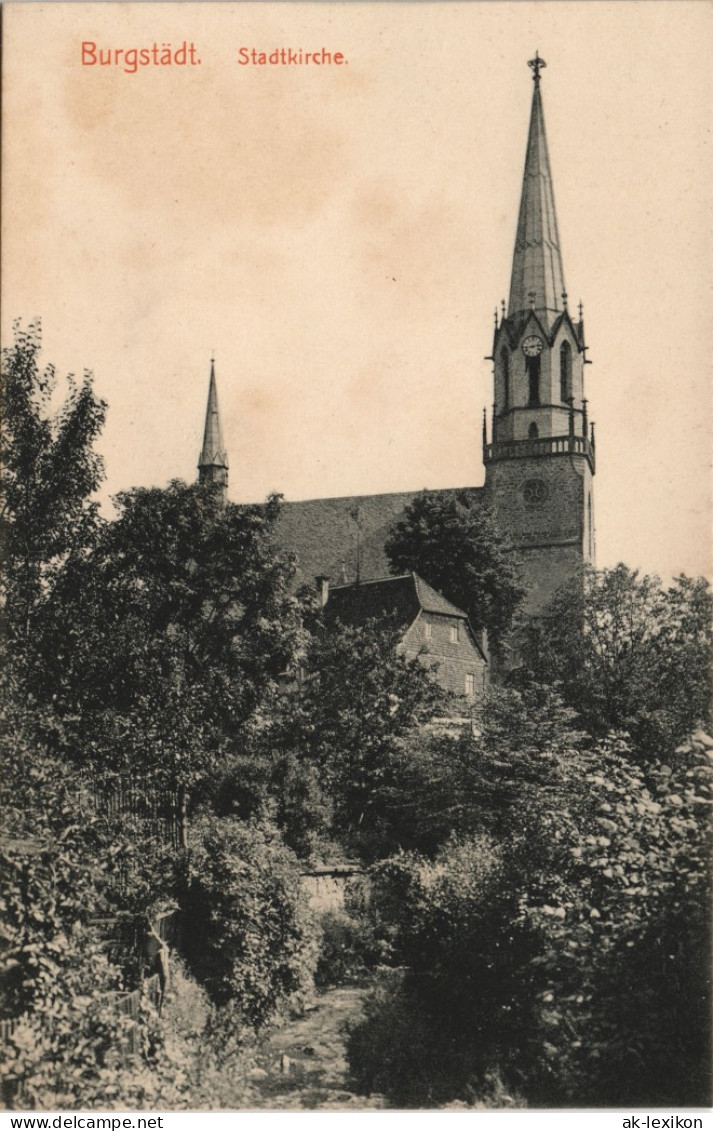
x: 532, y: 365
x: 532, y: 432
x: 505, y: 369
x: 565, y: 372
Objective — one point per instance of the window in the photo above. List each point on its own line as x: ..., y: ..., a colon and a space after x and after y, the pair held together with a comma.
x: 565, y: 372
x: 532, y: 433
x: 533, y: 378
x: 470, y: 684
x: 427, y: 630
x: 505, y: 366
x: 454, y: 634
x: 535, y: 491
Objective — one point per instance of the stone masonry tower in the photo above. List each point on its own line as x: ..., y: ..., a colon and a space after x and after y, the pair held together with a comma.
x: 213, y: 460
x: 539, y: 463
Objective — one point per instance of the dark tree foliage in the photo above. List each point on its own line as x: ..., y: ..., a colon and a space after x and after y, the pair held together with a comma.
x: 249, y: 941
x: 567, y: 959
x: 629, y: 654
x: 168, y: 637
x: 523, y: 752
x: 340, y: 738
x: 49, y: 472
x: 454, y: 543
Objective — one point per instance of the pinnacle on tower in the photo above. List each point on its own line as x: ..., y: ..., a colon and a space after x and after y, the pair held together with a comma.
x: 213, y: 460
x: 537, y: 280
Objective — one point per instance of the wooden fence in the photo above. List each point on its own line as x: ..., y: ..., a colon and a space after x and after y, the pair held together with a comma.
x: 161, y: 811
x: 129, y: 1005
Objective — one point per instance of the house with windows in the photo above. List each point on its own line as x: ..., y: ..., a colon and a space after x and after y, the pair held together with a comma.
x: 430, y: 628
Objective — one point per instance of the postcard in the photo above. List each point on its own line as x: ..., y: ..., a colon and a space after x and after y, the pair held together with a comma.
x: 462, y: 247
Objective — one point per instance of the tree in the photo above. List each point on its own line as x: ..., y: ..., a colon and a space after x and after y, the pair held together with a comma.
x: 453, y: 542
x: 523, y: 752
x: 49, y: 472
x: 568, y: 958
x: 358, y: 706
x: 628, y: 653
x: 167, y: 638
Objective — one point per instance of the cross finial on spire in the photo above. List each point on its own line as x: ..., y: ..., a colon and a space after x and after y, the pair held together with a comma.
x: 581, y: 310
x: 502, y: 306
x: 564, y: 299
x: 537, y: 64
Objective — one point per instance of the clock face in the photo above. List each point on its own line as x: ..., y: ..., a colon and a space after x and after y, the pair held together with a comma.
x: 532, y: 345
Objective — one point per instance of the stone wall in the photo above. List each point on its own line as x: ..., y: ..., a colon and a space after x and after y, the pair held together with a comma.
x: 325, y: 887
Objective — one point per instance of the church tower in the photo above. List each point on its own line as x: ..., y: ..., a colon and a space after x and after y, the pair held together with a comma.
x: 539, y: 463
x: 213, y: 460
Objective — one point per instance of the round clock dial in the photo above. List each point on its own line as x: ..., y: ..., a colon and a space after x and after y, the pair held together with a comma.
x: 532, y: 345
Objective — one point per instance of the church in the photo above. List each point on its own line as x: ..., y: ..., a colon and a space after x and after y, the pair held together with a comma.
x: 538, y: 452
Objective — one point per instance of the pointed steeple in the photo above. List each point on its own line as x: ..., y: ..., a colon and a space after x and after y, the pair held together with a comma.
x: 537, y: 276
x: 213, y: 460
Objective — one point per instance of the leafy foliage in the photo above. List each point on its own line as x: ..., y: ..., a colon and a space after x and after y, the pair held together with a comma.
x: 167, y: 638
x: 48, y: 473
x: 523, y: 753
x: 56, y: 981
x: 460, y: 994
x: 358, y: 706
x: 250, y: 943
x: 629, y: 654
x: 454, y: 544
x: 568, y: 958
x: 353, y: 942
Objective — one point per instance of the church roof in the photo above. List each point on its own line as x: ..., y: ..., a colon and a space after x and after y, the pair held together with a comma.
x: 213, y: 452
x: 343, y: 538
x: 537, y: 261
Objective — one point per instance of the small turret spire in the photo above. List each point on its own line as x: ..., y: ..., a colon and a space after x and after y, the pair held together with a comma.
x: 213, y: 460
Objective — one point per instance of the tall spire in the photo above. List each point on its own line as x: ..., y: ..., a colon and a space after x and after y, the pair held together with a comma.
x: 537, y: 262
x: 213, y: 460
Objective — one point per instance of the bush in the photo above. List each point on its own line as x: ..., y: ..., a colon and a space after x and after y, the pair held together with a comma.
x: 247, y: 939
x: 453, y: 1019
x: 572, y: 961
x: 351, y: 948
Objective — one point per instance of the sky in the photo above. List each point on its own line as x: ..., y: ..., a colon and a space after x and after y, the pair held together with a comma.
x: 339, y: 236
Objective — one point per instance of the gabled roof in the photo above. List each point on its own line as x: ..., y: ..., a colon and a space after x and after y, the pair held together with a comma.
x: 392, y: 597
x: 576, y: 329
x: 401, y: 598
x: 514, y: 326
x: 434, y: 602
x: 537, y: 260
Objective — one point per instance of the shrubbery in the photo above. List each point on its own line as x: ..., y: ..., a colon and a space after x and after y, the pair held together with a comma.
x: 248, y: 939
x: 570, y: 958
x: 355, y: 939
